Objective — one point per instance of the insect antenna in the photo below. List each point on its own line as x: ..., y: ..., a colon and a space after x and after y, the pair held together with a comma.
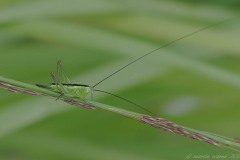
x: 163, y: 46
x: 126, y: 100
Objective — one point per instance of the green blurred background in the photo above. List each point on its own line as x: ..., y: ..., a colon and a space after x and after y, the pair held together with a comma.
x: 194, y: 82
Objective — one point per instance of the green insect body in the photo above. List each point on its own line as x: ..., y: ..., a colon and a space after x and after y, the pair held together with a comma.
x: 73, y: 90
x: 63, y: 85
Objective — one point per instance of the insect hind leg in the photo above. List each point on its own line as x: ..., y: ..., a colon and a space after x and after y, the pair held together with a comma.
x: 61, y: 74
x: 58, y: 84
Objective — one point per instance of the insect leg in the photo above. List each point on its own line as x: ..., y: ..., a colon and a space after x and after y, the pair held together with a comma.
x: 62, y: 94
x: 91, y: 93
x: 61, y: 74
x: 59, y: 85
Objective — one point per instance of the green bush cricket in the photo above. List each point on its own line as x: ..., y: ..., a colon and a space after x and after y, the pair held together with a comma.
x: 65, y: 87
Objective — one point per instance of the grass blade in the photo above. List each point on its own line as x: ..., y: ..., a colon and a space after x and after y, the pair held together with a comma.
x: 156, y: 122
